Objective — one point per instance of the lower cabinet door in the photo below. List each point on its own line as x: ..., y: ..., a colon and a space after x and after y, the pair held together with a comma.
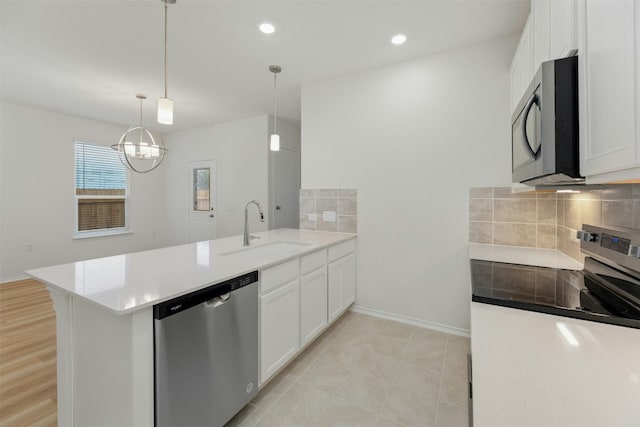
x: 335, y: 289
x: 313, y: 304
x: 348, y: 280
x: 279, y: 328
x: 342, y: 285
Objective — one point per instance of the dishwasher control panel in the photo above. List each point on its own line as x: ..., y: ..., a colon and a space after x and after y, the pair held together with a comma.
x: 176, y: 305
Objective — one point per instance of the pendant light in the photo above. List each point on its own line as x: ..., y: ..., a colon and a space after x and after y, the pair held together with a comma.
x: 274, y: 140
x: 165, y: 105
x: 138, y: 149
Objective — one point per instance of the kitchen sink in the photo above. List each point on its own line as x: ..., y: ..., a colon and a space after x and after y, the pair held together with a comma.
x: 269, y: 249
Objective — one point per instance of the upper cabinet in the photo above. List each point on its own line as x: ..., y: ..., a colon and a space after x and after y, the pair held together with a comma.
x: 554, y: 29
x: 609, y: 147
x: 550, y: 33
x: 522, y: 65
x: 562, y: 28
x: 540, y: 12
x: 603, y: 33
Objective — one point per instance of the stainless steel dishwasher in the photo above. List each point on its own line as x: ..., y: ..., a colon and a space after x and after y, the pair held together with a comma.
x: 206, y: 354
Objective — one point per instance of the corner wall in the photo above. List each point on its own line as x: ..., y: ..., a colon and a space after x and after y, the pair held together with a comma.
x: 240, y: 149
x: 38, y: 203
x: 412, y: 138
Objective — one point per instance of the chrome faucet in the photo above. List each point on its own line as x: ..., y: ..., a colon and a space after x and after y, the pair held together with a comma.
x: 247, y: 237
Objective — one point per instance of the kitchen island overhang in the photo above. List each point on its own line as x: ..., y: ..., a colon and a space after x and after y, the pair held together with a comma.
x: 104, y: 316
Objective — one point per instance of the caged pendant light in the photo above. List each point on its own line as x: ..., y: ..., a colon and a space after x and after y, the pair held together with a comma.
x: 138, y: 149
x: 274, y: 140
x: 165, y: 105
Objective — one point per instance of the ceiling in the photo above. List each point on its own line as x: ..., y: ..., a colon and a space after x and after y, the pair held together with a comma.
x: 90, y: 58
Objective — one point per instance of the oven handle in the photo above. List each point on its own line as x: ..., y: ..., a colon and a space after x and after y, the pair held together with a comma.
x: 525, y: 139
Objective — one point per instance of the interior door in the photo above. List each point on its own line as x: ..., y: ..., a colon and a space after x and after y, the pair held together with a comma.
x: 286, y: 179
x: 201, y: 193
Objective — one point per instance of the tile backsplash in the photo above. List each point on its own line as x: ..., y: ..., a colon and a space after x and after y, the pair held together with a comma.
x: 343, y: 203
x: 549, y: 219
x: 524, y: 219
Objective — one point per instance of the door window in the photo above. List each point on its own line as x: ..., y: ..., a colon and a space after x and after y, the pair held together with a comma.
x: 201, y: 190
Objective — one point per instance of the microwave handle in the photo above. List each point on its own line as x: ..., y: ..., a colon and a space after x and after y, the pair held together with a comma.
x: 525, y: 139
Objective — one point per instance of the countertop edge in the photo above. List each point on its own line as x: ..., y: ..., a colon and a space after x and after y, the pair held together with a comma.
x: 545, y: 309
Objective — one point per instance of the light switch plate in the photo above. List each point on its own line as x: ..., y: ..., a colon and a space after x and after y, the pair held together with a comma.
x: 329, y: 216
x: 312, y: 217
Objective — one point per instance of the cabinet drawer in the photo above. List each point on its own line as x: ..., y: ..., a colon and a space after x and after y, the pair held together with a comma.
x: 341, y: 249
x: 313, y: 261
x: 273, y: 277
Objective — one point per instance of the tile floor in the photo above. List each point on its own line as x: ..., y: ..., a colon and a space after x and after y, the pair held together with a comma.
x: 366, y: 371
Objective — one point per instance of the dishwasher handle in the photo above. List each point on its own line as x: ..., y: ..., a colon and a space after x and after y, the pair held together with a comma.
x: 209, y: 294
x: 218, y: 301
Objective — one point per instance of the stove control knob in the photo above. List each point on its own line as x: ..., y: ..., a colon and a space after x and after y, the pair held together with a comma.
x: 634, y: 251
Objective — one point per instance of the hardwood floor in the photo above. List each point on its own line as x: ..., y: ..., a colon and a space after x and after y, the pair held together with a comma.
x: 27, y: 355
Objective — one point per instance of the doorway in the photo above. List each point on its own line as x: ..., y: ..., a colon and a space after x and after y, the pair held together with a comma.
x: 284, y: 206
x: 201, y: 196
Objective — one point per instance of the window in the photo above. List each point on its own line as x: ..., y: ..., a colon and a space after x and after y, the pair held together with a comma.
x: 201, y: 194
x: 101, y: 183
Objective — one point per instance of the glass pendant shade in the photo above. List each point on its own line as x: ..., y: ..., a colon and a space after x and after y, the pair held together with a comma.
x: 165, y: 105
x: 275, y: 142
x: 165, y: 111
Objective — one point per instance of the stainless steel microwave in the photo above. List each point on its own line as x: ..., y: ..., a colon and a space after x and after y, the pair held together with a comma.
x: 544, y: 127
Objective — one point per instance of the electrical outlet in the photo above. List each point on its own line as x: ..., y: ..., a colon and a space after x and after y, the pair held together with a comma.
x: 313, y: 217
x: 329, y: 216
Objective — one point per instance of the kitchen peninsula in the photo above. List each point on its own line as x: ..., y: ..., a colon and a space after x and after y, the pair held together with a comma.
x: 104, y: 312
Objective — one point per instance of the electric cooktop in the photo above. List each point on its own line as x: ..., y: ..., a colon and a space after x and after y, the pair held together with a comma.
x: 607, y: 290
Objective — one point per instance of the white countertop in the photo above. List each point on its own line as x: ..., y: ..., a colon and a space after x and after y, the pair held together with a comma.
x: 534, y: 369
x: 129, y: 282
x: 527, y: 256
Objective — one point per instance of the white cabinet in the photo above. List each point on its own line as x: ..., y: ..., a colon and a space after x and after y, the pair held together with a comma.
x: 294, y: 302
x: 522, y: 65
x: 554, y: 29
x: 607, y: 78
x: 313, y: 304
x: 349, y: 281
x: 550, y: 33
x: 562, y: 28
x: 313, y: 295
x: 279, y: 328
x: 540, y: 12
x: 342, y: 281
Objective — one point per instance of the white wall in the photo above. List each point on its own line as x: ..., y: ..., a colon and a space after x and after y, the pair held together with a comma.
x: 38, y: 204
x: 412, y: 138
x: 240, y: 149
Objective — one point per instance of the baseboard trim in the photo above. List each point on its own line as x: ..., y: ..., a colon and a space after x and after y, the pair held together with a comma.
x: 13, y: 279
x: 411, y: 321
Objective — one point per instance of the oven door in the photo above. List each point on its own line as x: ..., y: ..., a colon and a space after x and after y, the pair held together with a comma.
x: 526, y: 138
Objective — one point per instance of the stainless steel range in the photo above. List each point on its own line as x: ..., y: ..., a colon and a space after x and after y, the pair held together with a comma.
x: 607, y: 290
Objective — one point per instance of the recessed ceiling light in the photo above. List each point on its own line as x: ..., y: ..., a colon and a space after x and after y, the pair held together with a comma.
x: 398, y: 39
x: 267, y: 28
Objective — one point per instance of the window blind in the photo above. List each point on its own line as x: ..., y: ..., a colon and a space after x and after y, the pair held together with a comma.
x: 101, y: 185
x: 99, y: 168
